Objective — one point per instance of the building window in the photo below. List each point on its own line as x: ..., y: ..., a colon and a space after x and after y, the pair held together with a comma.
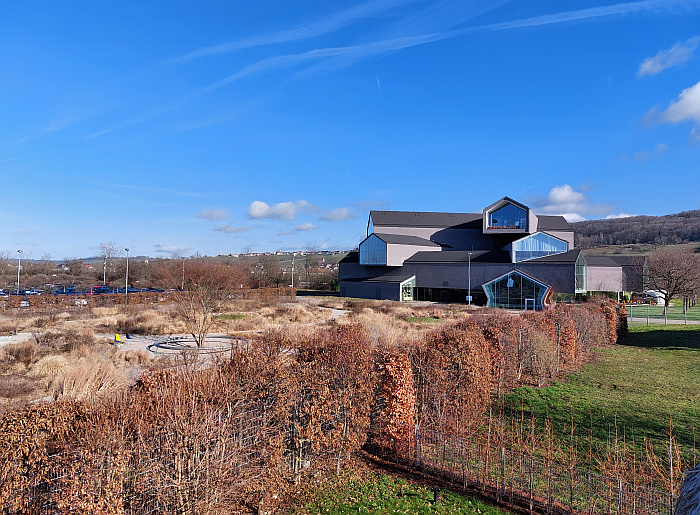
x: 515, y: 291
x: 508, y: 217
x: 373, y: 251
x: 537, y: 245
x: 580, y: 273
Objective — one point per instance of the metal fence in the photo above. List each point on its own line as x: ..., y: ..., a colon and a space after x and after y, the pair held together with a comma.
x: 645, y: 314
x: 527, y: 482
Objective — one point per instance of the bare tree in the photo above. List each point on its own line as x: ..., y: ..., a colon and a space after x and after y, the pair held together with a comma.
x: 208, y: 287
x: 674, y: 274
x: 271, y: 270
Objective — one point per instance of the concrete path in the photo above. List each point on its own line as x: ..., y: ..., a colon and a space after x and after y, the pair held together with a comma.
x: 655, y: 321
x: 15, y: 338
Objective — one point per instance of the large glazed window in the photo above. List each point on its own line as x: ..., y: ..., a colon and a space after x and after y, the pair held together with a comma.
x: 580, y: 274
x: 508, y: 217
x: 373, y: 251
x: 537, y: 245
x: 515, y: 291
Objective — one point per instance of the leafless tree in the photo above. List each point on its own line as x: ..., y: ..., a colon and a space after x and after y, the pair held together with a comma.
x: 674, y: 274
x: 271, y: 270
x: 208, y: 287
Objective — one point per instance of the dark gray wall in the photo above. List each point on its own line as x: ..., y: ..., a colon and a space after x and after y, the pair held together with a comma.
x: 370, y: 290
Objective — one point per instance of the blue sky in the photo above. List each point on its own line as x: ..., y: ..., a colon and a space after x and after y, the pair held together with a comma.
x: 213, y: 127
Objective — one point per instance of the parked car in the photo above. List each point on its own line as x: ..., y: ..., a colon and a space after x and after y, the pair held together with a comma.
x: 131, y: 290
x: 96, y: 290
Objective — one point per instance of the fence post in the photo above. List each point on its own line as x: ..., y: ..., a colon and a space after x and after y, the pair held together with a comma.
x: 503, y: 472
x: 647, y: 314
x: 415, y: 445
x: 619, y: 494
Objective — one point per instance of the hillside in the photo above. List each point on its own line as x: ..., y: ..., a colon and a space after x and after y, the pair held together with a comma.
x: 674, y: 229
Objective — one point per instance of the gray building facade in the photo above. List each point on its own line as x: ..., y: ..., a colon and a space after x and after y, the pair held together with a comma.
x: 505, y: 256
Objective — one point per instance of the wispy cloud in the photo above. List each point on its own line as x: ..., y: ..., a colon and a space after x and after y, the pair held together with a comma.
x: 297, y: 229
x: 170, y: 249
x: 677, y: 55
x: 212, y: 214
x: 11, y: 159
x: 281, y: 211
x: 334, y: 58
x: 21, y: 231
x: 337, y: 215
x: 319, y: 27
x: 306, y: 227
x: 230, y: 229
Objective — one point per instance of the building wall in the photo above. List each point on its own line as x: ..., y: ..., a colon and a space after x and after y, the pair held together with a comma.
x: 370, y: 290
x: 567, y: 236
x: 603, y: 278
x: 560, y: 276
x: 397, y: 254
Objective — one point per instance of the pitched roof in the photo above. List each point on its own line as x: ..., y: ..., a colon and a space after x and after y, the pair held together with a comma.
x: 351, y: 257
x: 552, y: 223
x: 460, y: 256
x: 569, y: 256
x: 403, y: 239
x: 602, y: 261
x: 421, y: 219
x: 629, y: 260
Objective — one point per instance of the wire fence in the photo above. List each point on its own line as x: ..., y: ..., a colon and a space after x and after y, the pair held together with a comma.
x: 645, y: 314
x: 523, y: 481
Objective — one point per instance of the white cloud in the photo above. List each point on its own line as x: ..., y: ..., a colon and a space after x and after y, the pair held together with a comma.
x: 212, y: 214
x: 275, y: 241
x: 282, y: 211
x: 620, y: 215
x: 573, y: 217
x: 21, y: 231
x: 687, y: 107
x: 306, y: 227
x: 170, y: 249
x: 567, y: 202
x: 230, y: 229
x: 337, y: 215
x: 640, y: 156
x: 677, y: 55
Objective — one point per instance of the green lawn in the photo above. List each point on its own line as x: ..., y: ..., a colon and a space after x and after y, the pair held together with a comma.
x: 234, y: 316
x: 380, y: 493
x: 422, y: 319
x: 637, y: 386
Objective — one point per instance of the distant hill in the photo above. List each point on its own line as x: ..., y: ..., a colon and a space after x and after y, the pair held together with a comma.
x: 658, y: 230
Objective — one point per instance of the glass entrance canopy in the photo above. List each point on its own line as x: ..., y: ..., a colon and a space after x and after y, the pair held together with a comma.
x: 515, y: 291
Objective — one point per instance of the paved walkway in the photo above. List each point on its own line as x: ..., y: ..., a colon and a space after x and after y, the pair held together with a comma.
x: 655, y: 321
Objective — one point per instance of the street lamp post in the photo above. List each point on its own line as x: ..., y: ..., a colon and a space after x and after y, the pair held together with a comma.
x: 470, y: 279
x: 104, y: 273
x: 183, y: 274
x: 19, y: 267
x: 126, y: 286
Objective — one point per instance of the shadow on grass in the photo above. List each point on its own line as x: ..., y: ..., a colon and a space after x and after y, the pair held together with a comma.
x: 668, y: 337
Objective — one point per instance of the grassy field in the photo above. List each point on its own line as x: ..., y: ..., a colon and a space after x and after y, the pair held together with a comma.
x: 380, y: 493
x: 636, y: 387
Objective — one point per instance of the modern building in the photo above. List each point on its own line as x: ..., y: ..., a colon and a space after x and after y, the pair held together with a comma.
x: 506, y: 256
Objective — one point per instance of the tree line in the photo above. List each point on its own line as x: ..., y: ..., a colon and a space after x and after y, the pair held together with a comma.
x: 673, y: 229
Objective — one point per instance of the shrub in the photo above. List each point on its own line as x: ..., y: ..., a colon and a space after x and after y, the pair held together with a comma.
x: 12, y: 386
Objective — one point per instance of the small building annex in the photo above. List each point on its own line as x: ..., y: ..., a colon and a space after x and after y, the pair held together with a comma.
x: 506, y: 256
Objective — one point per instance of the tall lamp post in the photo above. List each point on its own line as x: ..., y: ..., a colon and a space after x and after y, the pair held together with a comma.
x: 19, y: 267
x: 470, y: 280
x: 183, y: 274
x: 126, y: 286
x: 104, y: 273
